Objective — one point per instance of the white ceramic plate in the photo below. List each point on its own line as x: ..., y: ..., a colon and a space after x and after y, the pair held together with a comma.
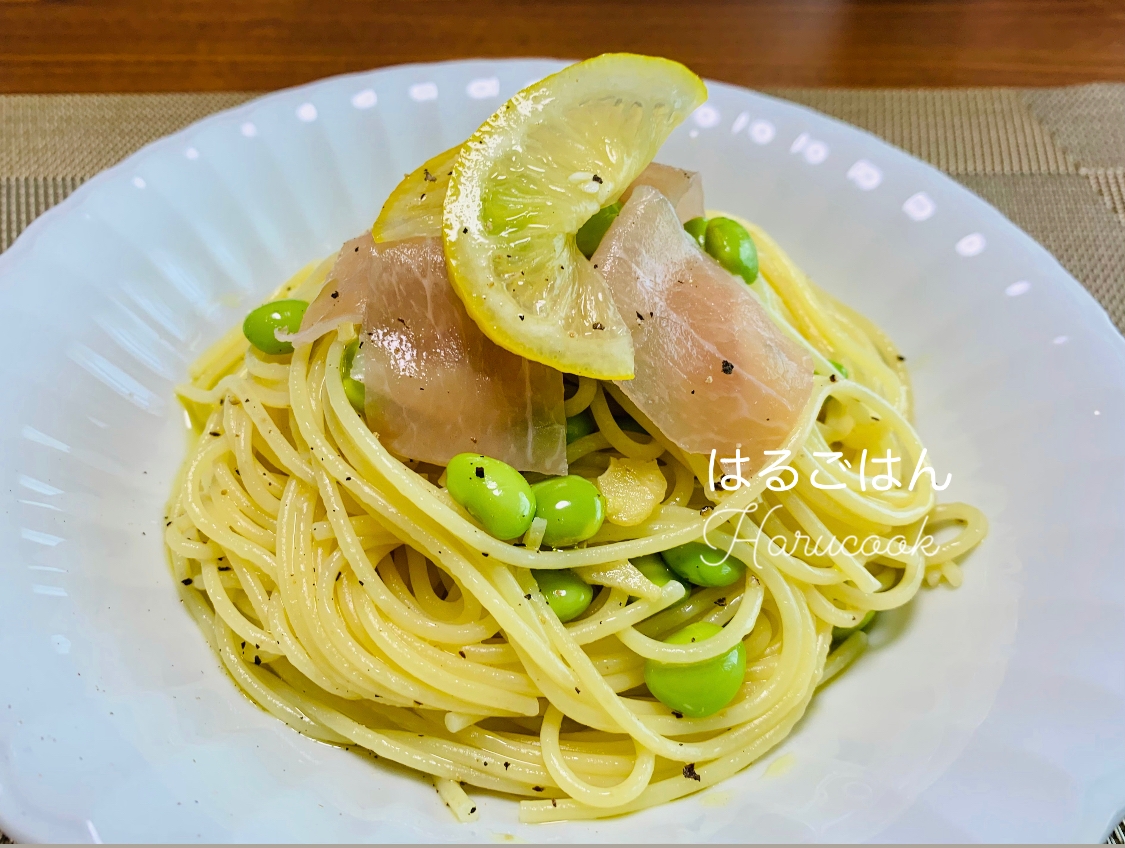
x: 996, y: 713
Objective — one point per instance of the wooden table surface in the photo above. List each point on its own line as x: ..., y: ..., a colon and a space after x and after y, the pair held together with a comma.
x: 217, y: 45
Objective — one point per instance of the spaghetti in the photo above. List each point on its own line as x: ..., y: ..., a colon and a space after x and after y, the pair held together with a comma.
x: 351, y: 597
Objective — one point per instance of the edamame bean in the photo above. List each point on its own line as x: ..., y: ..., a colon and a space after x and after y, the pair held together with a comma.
x: 629, y: 423
x: 700, y: 689
x: 567, y: 593
x: 839, y: 634
x: 353, y: 388
x: 262, y: 324
x: 729, y: 243
x: 573, y: 508
x: 696, y: 228
x: 493, y: 492
x: 653, y: 567
x: 582, y: 424
x: 700, y: 564
x: 591, y: 233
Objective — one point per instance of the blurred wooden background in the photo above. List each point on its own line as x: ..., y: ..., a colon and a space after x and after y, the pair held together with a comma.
x: 227, y: 45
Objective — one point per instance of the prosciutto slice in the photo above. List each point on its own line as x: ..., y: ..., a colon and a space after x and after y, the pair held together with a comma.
x: 683, y: 188
x: 712, y: 370
x: 344, y: 293
x: 435, y: 385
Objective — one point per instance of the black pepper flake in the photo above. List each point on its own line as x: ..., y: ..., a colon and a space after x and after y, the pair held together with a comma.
x: 506, y: 766
x: 348, y: 479
x: 462, y: 653
x: 335, y: 295
x: 480, y: 472
x: 339, y: 574
x: 536, y: 788
x: 484, y: 553
x: 423, y: 197
x: 690, y: 772
x: 243, y: 643
x: 215, y: 433
x: 576, y: 689
x: 554, y: 803
x: 473, y: 810
x: 521, y: 317
x: 465, y: 230
x: 224, y: 568
x: 357, y: 250
x: 527, y: 597
x: 832, y: 378
x: 901, y: 358
x: 720, y: 602
x: 427, y: 176
x: 257, y: 660
x: 186, y: 581
x: 360, y: 582
x: 597, y: 179
x: 875, y: 418
x: 640, y: 316
x: 728, y: 367
x: 597, y: 325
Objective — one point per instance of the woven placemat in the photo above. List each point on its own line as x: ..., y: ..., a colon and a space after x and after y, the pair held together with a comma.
x: 1052, y: 160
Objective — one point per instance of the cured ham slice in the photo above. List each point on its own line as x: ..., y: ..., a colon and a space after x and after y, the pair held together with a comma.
x: 435, y: 385
x: 712, y: 369
x: 343, y: 295
x: 683, y: 188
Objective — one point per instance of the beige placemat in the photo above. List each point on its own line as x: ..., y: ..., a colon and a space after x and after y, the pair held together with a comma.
x: 1052, y: 160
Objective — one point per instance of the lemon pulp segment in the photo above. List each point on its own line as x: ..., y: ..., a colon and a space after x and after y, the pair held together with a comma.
x: 528, y: 179
x: 414, y: 208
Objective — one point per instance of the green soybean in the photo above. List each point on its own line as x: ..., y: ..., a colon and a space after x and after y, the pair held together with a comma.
x: 628, y: 422
x: 697, y: 228
x: 573, y: 508
x: 591, y: 233
x: 493, y: 492
x: 843, y: 371
x: 700, y: 564
x: 582, y: 424
x: 567, y: 593
x: 353, y: 388
x: 262, y: 324
x: 839, y: 634
x: 653, y: 567
x: 697, y: 690
x: 729, y: 243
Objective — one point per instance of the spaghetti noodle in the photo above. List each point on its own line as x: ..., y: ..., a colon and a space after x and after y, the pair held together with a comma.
x: 351, y: 597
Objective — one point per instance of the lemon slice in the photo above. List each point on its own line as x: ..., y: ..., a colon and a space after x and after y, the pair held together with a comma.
x: 413, y: 209
x: 525, y: 182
